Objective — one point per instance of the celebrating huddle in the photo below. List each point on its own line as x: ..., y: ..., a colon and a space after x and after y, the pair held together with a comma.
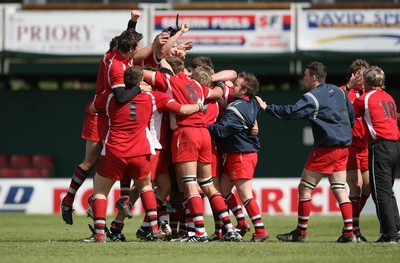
x: 182, y: 132
x: 153, y: 126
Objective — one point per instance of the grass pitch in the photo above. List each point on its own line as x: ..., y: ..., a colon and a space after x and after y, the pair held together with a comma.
x: 46, y: 238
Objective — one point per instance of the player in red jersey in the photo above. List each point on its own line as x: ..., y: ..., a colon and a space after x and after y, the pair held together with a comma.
x: 357, y: 164
x: 128, y: 149
x: 379, y: 112
x: 127, y: 53
x: 161, y: 161
x: 203, y: 72
x: 117, y: 60
x: 90, y: 132
x: 161, y: 102
x: 191, y: 147
x: 116, y: 65
x: 155, y: 53
x: 96, y: 124
x: 214, y: 111
x: 120, y: 59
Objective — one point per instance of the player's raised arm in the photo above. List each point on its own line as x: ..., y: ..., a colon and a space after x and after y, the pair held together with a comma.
x: 135, y: 15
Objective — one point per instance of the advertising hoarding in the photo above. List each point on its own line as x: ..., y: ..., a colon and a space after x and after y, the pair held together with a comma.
x: 346, y: 30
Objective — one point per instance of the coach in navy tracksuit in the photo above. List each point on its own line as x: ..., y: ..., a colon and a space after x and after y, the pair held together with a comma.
x: 240, y: 148
x: 332, y: 116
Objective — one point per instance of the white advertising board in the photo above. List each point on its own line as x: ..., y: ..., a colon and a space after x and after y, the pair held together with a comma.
x: 223, y: 31
x: 274, y: 196
x: 347, y: 30
x: 65, y: 32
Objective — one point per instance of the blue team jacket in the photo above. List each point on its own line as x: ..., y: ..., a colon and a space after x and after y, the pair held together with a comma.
x: 327, y: 108
x: 233, y: 132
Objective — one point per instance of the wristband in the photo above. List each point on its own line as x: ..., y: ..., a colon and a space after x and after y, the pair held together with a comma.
x: 201, y: 106
x: 220, y: 84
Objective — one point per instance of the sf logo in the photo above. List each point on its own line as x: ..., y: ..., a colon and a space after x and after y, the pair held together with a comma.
x: 267, y: 21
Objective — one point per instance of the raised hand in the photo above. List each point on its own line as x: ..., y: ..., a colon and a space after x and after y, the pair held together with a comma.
x: 356, y: 80
x: 185, y: 46
x: 185, y: 27
x: 135, y: 15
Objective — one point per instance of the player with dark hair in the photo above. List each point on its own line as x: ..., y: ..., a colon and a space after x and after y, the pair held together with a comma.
x: 90, y: 133
x: 119, y: 60
x: 379, y: 112
x: 188, y: 70
x: 240, y: 148
x: 153, y: 59
x: 128, y: 44
x: 127, y: 150
x: 123, y: 204
x: 332, y: 117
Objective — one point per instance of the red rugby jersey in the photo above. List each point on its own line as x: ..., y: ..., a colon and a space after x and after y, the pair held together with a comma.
x: 184, y: 91
x: 158, y: 125
x: 129, y: 133
x: 379, y: 112
x: 101, y: 82
x: 115, y: 68
x: 360, y: 134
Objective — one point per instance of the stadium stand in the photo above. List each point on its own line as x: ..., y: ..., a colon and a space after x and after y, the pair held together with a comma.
x: 10, y: 172
x: 42, y: 160
x: 4, y: 160
x: 35, y: 172
x: 20, y: 161
x: 26, y: 166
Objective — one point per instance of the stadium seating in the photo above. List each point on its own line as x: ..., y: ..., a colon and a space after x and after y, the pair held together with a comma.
x: 26, y: 166
x: 10, y: 172
x: 4, y: 160
x: 20, y: 161
x: 43, y: 161
x: 34, y: 172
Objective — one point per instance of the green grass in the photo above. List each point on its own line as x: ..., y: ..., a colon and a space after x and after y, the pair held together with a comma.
x: 46, y: 238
